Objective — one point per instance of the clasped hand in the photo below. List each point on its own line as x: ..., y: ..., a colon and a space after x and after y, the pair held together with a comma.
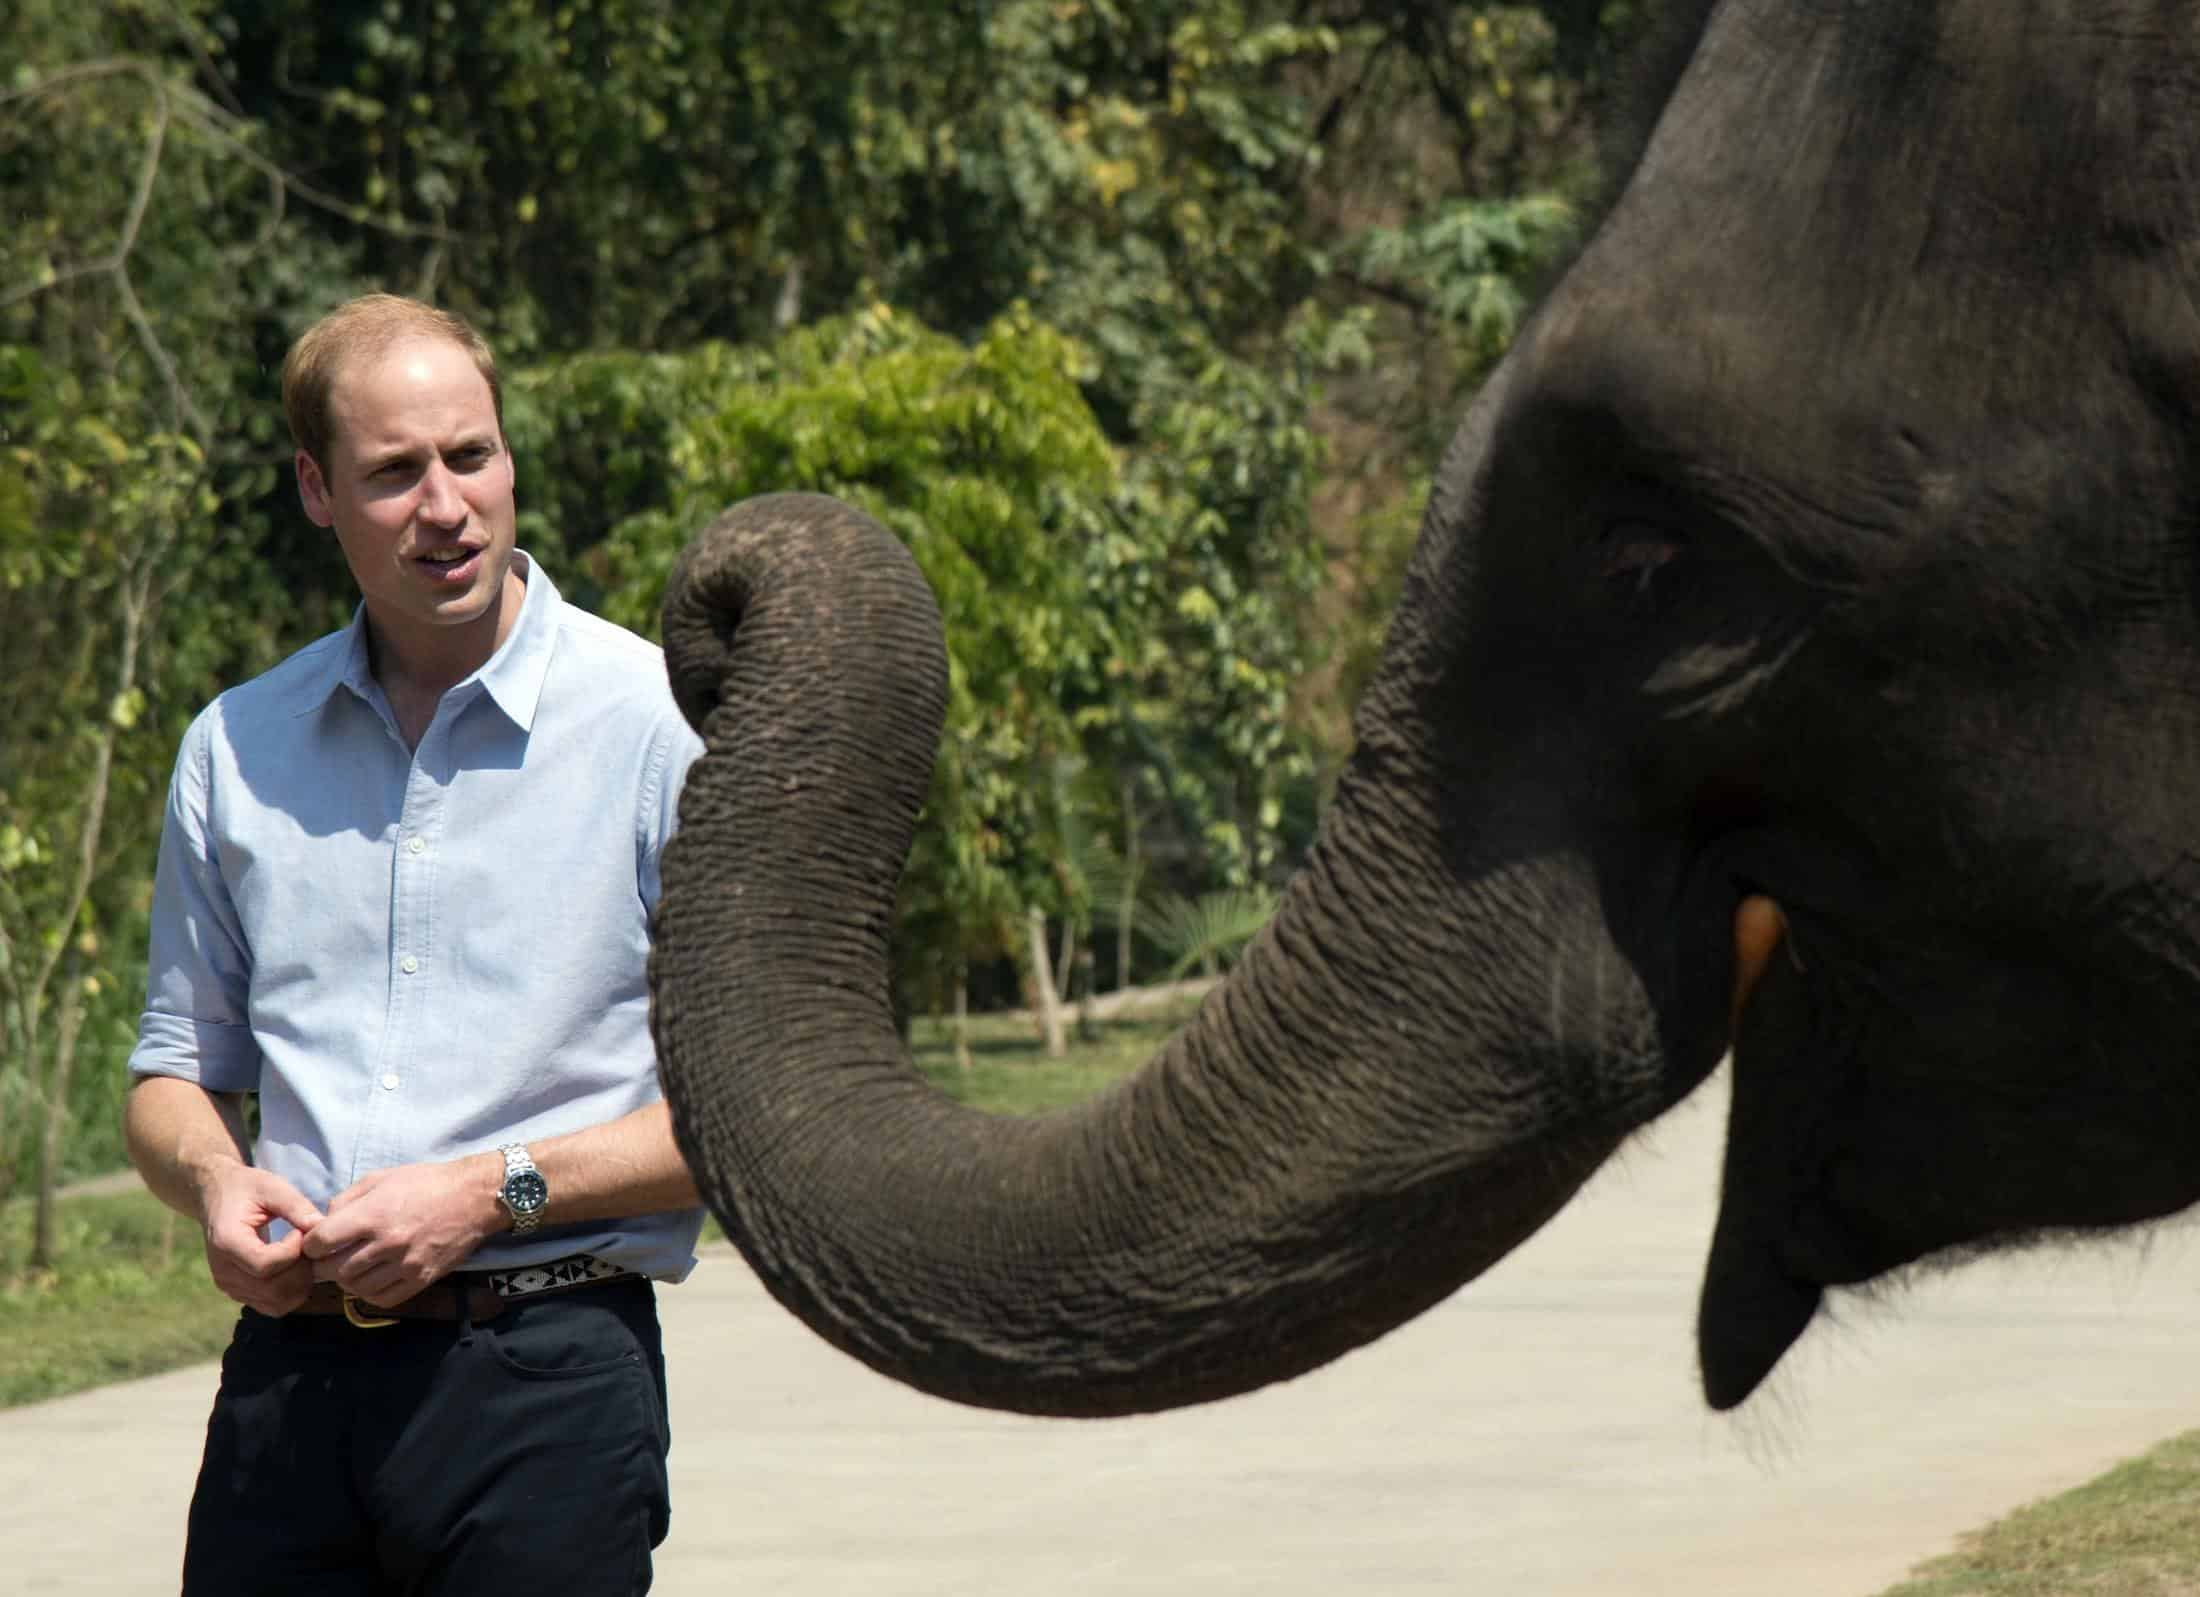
x: 382, y: 1240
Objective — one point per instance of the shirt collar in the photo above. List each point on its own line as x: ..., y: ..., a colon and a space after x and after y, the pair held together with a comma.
x: 512, y: 677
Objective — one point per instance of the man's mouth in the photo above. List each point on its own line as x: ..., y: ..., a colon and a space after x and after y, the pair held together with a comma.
x: 448, y: 563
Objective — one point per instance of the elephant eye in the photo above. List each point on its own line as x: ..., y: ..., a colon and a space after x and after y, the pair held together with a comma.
x: 1632, y: 553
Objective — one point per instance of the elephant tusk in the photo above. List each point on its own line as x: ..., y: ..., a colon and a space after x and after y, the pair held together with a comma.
x: 1758, y: 928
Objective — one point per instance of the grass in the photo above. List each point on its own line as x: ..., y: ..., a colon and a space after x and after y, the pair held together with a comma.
x: 1009, y: 1073
x: 2134, y: 1532
x: 130, y: 1296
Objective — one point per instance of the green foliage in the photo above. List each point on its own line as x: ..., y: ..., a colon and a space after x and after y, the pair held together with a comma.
x: 1205, y: 585
x: 986, y: 461
x: 150, y: 243
x: 1382, y: 541
x: 91, y: 523
x: 592, y: 440
x: 1471, y: 260
x: 127, y: 1295
x: 125, y: 450
x: 1209, y: 931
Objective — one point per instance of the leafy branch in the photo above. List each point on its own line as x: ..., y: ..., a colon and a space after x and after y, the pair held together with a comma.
x: 174, y: 103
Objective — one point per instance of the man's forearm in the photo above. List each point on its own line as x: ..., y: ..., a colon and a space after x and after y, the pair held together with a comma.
x: 177, y: 1134
x: 624, y: 1167
x: 393, y: 1231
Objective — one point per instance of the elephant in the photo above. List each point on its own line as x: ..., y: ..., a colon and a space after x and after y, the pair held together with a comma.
x: 1798, y: 661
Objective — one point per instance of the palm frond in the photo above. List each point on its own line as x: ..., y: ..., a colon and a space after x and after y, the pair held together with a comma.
x: 1210, y: 930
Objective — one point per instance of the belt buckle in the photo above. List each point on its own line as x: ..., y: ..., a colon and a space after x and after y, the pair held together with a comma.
x: 365, y: 1322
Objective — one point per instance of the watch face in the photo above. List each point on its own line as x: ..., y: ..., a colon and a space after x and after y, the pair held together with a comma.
x: 526, y: 1192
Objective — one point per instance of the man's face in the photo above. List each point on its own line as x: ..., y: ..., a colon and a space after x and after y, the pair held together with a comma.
x: 418, y: 486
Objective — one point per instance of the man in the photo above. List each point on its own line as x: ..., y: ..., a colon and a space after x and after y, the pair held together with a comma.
x: 403, y: 895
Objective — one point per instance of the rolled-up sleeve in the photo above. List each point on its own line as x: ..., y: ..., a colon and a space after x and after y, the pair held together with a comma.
x: 196, y: 1022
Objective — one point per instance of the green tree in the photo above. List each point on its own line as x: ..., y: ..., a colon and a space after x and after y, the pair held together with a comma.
x: 130, y: 307
x: 97, y: 531
x: 987, y: 462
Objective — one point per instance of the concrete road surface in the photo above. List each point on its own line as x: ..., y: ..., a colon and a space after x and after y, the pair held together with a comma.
x: 1539, y: 1434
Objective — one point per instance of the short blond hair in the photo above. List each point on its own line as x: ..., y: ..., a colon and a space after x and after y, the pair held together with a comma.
x: 364, y: 328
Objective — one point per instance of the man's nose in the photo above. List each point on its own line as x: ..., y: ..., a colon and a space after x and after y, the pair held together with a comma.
x: 440, y: 500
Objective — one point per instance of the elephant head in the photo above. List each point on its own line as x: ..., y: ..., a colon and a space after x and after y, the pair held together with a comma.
x: 1828, y: 537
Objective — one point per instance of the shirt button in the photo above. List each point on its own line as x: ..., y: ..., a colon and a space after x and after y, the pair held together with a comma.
x: 413, y: 845
x: 389, y: 1082
x: 408, y: 964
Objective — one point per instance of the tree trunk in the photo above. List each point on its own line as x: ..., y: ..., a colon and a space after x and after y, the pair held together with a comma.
x: 1127, y: 908
x: 1048, y: 1002
x: 1088, y: 1027
x: 787, y: 311
x: 53, y: 1091
x: 1066, y: 966
x: 963, y: 1060
x: 18, y: 1082
x: 45, y: 1226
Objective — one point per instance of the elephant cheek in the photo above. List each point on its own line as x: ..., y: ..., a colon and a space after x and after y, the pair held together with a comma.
x: 1754, y: 1307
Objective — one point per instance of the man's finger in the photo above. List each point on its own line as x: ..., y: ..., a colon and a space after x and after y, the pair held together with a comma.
x: 333, y: 1267
x: 386, y: 1287
x: 274, y: 1198
x: 266, y: 1260
x: 295, y: 1208
x: 238, y: 1247
x: 288, y: 1290
x: 357, y: 1190
x: 339, y: 1233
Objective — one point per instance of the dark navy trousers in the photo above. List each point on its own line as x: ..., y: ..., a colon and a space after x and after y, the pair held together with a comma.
x: 430, y: 1458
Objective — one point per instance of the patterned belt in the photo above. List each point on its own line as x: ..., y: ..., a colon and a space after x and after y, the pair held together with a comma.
x: 532, y: 1280
x: 470, y: 1294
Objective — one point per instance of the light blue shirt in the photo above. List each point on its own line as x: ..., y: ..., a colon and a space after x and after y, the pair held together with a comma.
x: 415, y: 955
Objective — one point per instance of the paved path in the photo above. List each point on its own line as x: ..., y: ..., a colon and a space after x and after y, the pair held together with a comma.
x: 1539, y: 1435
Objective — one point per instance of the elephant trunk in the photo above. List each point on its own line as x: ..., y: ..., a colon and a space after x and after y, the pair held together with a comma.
x: 1325, y: 1151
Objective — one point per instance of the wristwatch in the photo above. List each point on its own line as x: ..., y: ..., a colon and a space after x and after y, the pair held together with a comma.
x: 524, y: 1193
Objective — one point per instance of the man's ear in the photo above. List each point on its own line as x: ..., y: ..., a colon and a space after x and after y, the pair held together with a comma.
x: 313, y: 491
